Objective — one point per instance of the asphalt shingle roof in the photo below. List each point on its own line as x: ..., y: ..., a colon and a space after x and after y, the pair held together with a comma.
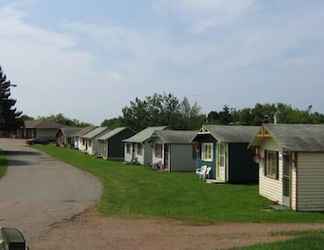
x: 232, y: 134
x: 144, y: 134
x: 111, y: 133
x: 43, y: 124
x: 298, y: 137
x: 86, y: 130
x: 70, y: 131
x: 96, y: 132
x: 175, y: 136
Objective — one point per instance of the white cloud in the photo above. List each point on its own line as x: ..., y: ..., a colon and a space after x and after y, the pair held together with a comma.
x: 205, y: 14
x: 90, y: 71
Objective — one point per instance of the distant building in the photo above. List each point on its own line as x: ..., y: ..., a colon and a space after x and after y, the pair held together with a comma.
x: 39, y: 129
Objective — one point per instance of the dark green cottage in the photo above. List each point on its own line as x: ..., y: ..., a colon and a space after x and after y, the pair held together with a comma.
x: 110, y: 144
x: 225, y: 150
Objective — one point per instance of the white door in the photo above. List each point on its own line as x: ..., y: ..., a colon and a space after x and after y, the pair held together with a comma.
x: 222, y: 161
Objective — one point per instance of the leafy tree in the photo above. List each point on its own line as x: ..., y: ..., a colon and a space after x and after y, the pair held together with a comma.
x: 9, y: 116
x: 162, y: 110
x: 113, y: 123
x: 265, y: 113
x: 60, y: 118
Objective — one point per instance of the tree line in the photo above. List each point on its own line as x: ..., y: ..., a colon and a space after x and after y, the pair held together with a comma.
x: 165, y: 110
x: 168, y: 110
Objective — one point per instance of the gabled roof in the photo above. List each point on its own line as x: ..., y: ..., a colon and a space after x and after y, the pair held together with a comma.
x: 96, y: 132
x: 111, y: 133
x: 144, y: 135
x: 175, y: 136
x: 68, y: 132
x: 231, y: 134
x: 296, y: 137
x: 86, y: 130
x: 43, y: 124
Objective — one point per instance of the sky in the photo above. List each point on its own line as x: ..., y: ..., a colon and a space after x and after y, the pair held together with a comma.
x: 88, y: 59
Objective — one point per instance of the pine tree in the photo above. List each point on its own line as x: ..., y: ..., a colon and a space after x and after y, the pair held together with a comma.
x: 9, y: 116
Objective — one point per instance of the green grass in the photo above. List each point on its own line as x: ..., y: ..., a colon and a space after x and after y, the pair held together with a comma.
x: 140, y: 191
x: 309, y: 241
x: 3, y: 164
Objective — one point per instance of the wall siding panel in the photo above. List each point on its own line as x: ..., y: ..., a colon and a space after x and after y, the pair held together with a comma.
x: 268, y: 187
x: 310, y: 182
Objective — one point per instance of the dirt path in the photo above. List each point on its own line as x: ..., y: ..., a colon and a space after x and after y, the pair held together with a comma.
x: 38, y: 190
x: 93, y: 232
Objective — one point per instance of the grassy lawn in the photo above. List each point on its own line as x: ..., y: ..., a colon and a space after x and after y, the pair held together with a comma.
x: 3, y: 165
x: 311, y: 241
x: 140, y: 191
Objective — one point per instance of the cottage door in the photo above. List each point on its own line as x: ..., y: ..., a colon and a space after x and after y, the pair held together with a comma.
x: 286, y: 177
x: 222, y: 159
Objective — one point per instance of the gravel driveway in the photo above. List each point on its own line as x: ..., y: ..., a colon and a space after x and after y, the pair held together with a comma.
x: 39, y: 191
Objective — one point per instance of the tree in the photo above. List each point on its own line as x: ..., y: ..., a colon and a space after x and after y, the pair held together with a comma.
x: 60, y: 118
x: 9, y: 116
x: 162, y: 110
x: 265, y: 113
x: 113, y: 123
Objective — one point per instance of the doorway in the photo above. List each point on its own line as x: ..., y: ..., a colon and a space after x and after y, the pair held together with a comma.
x: 286, y: 179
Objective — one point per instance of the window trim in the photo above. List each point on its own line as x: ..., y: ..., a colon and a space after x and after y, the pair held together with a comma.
x: 266, y: 152
x: 204, y: 146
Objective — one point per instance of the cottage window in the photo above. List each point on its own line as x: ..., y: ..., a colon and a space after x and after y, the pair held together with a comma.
x: 158, y: 150
x: 128, y: 148
x: 272, y: 164
x: 139, y: 149
x: 207, y: 151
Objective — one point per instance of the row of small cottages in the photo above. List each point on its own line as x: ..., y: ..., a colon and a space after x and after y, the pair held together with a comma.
x: 288, y: 160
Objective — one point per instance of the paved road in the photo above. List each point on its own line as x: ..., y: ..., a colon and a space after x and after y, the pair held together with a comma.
x: 39, y: 191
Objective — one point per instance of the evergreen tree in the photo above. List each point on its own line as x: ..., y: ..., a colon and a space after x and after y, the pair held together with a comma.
x: 9, y: 116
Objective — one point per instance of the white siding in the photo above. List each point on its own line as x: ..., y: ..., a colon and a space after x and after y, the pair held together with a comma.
x: 293, y: 183
x: 128, y: 156
x: 137, y: 157
x: 310, y: 182
x: 268, y: 187
x: 82, y: 147
x: 155, y: 159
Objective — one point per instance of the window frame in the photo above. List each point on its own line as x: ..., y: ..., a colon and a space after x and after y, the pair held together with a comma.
x: 272, y: 171
x: 207, y: 155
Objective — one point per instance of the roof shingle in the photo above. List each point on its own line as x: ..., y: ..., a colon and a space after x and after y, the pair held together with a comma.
x: 144, y: 135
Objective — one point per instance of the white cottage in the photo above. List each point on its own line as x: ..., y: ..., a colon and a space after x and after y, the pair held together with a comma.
x: 291, y: 160
x: 90, y: 142
x: 138, y: 149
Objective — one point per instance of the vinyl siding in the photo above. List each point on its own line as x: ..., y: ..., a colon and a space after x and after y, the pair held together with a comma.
x: 147, y: 154
x: 49, y: 134
x: 137, y: 157
x: 128, y: 156
x: 310, y: 182
x: 293, y: 184
x: 181, y: 158
x: 268, y: 187
x: 155, y: 159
